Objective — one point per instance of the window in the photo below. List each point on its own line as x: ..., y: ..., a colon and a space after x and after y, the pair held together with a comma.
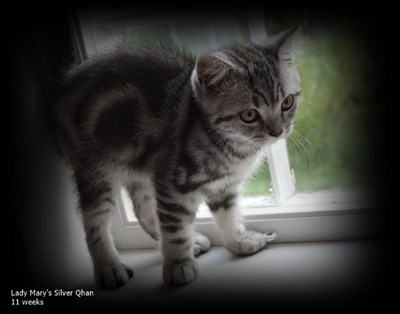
x: 318, y: 160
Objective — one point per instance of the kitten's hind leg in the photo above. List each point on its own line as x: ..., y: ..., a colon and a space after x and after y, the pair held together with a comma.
x: 201, y: 244
x: 97, y: 203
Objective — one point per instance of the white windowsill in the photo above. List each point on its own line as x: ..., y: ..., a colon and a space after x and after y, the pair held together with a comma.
x: 319, y: 216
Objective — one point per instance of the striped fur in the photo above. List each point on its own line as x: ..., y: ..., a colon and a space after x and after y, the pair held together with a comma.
x: 168, y: 128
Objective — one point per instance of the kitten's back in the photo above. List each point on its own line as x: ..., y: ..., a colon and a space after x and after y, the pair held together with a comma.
x: 108, y: 99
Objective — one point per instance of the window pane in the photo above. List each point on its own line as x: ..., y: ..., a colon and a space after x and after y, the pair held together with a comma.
x: 329, y: 148
x: 260, y: 182
x: 196, y: 33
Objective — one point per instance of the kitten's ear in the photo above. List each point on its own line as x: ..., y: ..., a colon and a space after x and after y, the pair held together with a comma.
x: 212, y: 69
x: 287, y: 44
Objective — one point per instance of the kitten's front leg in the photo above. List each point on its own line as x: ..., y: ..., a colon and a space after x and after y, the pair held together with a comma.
x: 177, y: 240
x: 234, y: 235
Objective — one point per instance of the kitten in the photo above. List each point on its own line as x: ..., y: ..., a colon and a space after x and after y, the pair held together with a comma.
x: 175, y: 131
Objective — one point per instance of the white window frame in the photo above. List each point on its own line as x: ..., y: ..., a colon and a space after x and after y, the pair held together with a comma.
x: 331, y: 215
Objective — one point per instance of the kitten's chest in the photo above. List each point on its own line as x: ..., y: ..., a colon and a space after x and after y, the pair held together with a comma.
x: 234, y: 173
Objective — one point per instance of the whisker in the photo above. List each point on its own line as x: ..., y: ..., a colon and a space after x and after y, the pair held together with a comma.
x: 298, y: 141
x: 299, y: 149
x: 307, y: 101
x: 293, y: 150
x: 302, y: 118
x: 306, y: 139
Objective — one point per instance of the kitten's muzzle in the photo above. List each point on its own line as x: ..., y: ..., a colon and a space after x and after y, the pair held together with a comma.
x: 275, y: 133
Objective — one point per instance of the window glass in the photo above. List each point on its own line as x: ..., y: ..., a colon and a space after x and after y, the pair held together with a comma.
x: 328, y: 148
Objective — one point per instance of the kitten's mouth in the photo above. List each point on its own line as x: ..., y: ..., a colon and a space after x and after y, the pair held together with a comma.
x: 265, y: 141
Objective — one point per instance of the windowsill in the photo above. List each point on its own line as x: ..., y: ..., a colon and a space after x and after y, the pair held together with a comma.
x: 282, y: 273
x: 318, y: 216
x: 305, y: 204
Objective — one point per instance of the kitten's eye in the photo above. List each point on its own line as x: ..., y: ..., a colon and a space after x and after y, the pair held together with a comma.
x: 287, y: 103
x: 249, y: 115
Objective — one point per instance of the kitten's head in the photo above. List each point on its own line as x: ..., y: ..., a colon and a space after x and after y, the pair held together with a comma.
x: 250, y: 92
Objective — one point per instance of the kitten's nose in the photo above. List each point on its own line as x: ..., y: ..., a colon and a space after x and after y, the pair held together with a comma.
x: 275, y: 133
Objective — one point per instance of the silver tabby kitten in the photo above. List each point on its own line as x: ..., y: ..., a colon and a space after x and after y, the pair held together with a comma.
x: 175, y: 131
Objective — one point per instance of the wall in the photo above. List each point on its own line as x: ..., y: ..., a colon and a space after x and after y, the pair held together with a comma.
x: 46, y: 242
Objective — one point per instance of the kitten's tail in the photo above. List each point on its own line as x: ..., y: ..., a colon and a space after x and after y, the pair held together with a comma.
x: 148, y: 221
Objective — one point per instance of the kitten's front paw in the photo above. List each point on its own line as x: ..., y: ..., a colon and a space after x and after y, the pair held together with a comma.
x: 201, y: 244
x: 180, y: 274
x: 111, y: 277
x: 250, y: 242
